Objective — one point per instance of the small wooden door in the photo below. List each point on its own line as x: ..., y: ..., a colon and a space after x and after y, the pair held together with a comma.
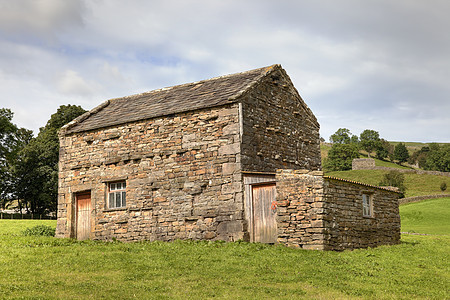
x: 264, y: 213
x: 83, y: 202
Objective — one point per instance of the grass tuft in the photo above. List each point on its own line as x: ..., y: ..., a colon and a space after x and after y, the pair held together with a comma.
x: 40, y: 230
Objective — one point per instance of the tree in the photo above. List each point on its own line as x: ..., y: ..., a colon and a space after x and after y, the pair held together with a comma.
x: 341, y: 136
x: 438, y: 159
x: 419, y: 157
x: 369, y: 140
x: 384, y: 149
x: 354, y: 140
x: 443, y: 186
x: 12, y: 140
x: 37, y: 167
x: 394, y: 178
x: 340, y: 157
x: 7, y: 129
x: 401, y: 153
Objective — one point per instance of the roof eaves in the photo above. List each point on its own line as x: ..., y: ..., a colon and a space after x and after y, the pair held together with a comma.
x: 66, y: 129
x: 363, y: 184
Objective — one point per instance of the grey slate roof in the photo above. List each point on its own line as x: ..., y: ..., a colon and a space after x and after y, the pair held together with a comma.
x: 186, y: 97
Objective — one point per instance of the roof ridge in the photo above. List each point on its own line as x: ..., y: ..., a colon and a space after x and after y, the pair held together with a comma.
x: 268, y: 69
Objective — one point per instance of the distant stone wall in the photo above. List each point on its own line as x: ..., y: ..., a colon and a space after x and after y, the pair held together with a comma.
x: 363, y: 164
x: 317, y: 212
x: 369, y: 164
x: 420, y: 198
x: 182, y: 174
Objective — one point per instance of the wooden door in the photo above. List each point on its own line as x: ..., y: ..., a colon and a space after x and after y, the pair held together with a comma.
x: 264, y: 213
x: 83, y: 202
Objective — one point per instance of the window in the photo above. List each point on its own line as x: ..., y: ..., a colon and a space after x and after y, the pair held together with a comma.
x: 367, y: 205
x: 117, y: 195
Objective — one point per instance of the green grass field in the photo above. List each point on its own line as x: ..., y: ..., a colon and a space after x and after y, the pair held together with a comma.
x: 50, y: 268
x: 428, y: 216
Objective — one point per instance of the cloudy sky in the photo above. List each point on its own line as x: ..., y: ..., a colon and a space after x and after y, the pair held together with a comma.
x: 372, y: 64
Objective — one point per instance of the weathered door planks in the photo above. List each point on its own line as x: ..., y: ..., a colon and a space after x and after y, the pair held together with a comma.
x: 264, y: 213
x: 83, y: 201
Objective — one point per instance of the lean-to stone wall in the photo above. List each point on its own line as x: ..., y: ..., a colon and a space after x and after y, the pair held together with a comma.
x: 182, y: 174
x: 348, y: 228
x: 279, y: 130
x: 301, y: 211
x: 317, y: 212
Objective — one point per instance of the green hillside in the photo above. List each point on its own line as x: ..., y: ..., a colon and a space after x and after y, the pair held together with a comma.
x: 416, y: 185
x: 325, y: 147
x: 428, y: 217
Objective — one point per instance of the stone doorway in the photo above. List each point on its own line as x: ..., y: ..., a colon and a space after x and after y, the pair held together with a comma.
x: 83, y: 215
x: 264, y: 213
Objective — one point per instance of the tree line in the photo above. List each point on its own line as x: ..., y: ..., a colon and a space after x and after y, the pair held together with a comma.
x: 28, y: 164
x: 346, y: 147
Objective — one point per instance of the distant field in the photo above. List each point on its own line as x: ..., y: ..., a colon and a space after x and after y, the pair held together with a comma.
x: 428, y: 216
x: 324, y: 148
x: 388, y: 164
x: 416, y: 185
x: 414, y: 146
x: 50, y: 268
x: 411, y: 146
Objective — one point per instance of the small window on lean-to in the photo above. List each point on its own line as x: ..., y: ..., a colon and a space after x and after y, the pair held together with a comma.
x: 117, y: 196
x: 367, y: 205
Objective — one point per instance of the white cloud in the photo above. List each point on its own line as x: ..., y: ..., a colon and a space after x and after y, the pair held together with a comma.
x: 111, y: 75
x: 71, y: 83
x: 352, y: 61
x: 41, y: 17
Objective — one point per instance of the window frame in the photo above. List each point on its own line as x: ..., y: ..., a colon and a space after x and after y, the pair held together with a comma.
x: 117, y: 190
x: 367, y: 204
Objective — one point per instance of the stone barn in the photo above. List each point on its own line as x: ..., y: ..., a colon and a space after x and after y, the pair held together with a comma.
x: 235, y: 157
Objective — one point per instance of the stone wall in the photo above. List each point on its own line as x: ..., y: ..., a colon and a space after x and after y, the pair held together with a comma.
x: 317, y: 212
x: 363, y: 164
x: 369, y: 164
x: 421, y: 198
x: 182, y: 173
x: 301, y: 209
x: 349, y: 229
x: 279, y: 130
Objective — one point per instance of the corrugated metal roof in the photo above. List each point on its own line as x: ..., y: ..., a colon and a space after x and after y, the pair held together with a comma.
x: 389, y: 189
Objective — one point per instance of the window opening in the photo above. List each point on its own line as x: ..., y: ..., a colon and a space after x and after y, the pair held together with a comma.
x: 367, y: 205
x: 117, y: 196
